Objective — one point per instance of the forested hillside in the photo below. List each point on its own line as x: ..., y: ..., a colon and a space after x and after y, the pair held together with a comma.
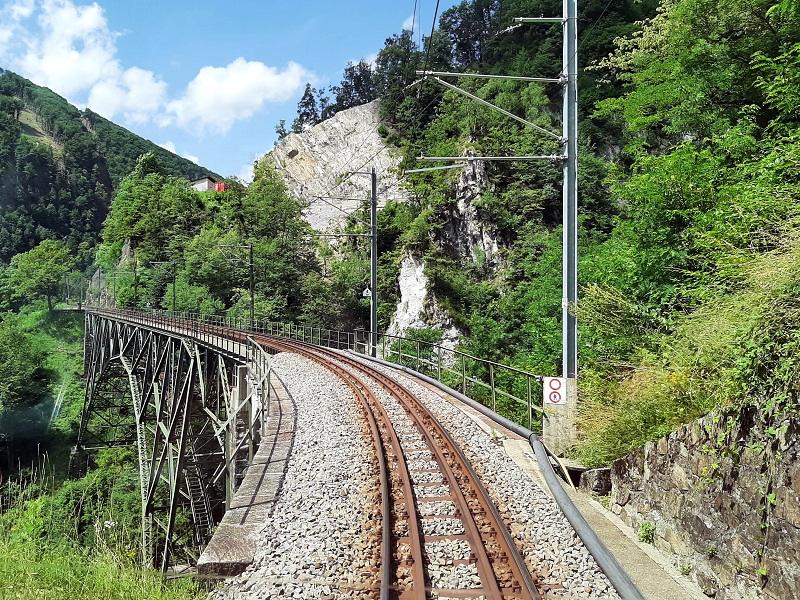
x: 688, y: 196
x: 59, y: 168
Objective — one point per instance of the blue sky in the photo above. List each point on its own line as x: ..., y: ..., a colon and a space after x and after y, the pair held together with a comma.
x: 207, y: 79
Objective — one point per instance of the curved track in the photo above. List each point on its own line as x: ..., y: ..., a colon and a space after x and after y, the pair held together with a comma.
x: 406, y: 565
x: 501, y: 568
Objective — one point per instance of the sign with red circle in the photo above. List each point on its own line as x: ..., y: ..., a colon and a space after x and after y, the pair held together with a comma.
x: 555, y: 391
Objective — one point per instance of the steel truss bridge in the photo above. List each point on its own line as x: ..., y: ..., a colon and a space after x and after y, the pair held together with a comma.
x: 190, y: 402
x: 190, y: 394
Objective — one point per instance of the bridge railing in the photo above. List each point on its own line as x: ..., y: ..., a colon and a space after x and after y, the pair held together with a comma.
x: 509, y: 391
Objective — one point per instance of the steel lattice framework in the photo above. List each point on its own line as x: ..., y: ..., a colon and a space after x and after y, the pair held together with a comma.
x: 191, y: 406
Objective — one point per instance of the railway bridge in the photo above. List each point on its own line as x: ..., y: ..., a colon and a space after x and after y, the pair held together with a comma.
x: 213, y: 425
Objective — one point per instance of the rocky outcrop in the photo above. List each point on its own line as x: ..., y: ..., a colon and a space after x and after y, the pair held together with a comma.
x: 417, y: 307
x: 465, y: 235
x: 316, y: 162
x: 724, y: 496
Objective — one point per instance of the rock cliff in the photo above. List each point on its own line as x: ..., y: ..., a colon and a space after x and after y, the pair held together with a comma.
x: 465, y: 234
x: 316, y: 162
x: 417, y: 307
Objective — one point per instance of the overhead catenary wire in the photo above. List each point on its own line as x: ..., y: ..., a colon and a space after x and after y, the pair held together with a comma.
x: 489, y: 76
x: 430, y: 41
x: 345, y: 174
x: 378, y: 124
x: 522, y: 20
x: 339, y: 208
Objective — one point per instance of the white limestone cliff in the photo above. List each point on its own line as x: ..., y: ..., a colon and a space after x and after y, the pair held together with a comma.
x: 316, y: 162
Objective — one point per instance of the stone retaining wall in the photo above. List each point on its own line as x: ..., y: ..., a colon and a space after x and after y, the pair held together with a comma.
x: 724, y: 496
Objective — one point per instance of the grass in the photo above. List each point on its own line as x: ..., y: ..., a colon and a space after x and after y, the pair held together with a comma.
x: 30, y: 571
x: 696, y: 368
x: 31, y: 127
x: 72, y: 539
x: 75, y: 540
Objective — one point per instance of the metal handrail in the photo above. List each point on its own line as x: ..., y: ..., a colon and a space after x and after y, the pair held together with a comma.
x: 392, y: 349
x: 507, y: 390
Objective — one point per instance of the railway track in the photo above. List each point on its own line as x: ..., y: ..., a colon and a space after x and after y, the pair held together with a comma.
x: 421, y: 466
x: 459, y: 525
x: 432, y: 530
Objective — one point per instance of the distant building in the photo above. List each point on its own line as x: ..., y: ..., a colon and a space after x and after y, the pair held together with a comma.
x: 207, y: 184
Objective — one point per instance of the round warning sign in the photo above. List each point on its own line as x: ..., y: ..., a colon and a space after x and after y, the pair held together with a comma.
x: 555, y: 391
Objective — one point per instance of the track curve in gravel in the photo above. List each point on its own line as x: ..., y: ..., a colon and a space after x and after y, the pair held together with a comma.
x: 501, y: 570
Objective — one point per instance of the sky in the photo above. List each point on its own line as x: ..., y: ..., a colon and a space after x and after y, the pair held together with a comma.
x: 209, y: 79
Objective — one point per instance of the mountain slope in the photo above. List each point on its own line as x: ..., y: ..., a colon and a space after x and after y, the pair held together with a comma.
x: 59, y: 167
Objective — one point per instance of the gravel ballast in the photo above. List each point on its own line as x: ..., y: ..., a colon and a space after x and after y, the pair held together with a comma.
x: 551, y: 548
x: 321, y: 540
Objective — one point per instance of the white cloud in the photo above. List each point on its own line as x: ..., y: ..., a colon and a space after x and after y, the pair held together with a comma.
x: 5, y: 37
x: 370, y: 59
x: 219, y: 96
x: 74, y: 53
x: 168, y: 145
x: 70, y: 48
x: 75, y: 49
x: 408, y: 23
x: 246, y: 172
x: 10, y: 16
x: 22, y: 9
x: 137, y: 94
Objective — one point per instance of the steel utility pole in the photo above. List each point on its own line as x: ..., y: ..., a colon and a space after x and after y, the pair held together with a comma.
x: 135, y: 282
x: 251, y: 270
x: 570, y: 216
x: 373, y: 252
x: 373, y: 265
x: 568, y: 140
x: 569, y: 120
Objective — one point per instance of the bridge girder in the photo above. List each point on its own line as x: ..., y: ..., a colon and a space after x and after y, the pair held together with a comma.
x: 192, y: 410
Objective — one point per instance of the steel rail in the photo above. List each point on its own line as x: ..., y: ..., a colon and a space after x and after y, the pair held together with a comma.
x: 618, y: 577
x: 450, y: 459
x: 371, y: 404
x: 368, y: 402
x: 446, y: 447
x: 366, y: 399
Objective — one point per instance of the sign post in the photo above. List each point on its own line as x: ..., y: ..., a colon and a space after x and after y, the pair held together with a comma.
x: 559, y: 396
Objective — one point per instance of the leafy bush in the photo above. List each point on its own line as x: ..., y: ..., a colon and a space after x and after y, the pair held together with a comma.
x: 647, y: 532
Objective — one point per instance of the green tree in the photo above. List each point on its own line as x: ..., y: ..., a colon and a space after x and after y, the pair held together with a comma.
x: 357, y: 86
x: 308, y: 113
x: 25, y: 379
x: 40, y: 271
x: 280, y: 129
